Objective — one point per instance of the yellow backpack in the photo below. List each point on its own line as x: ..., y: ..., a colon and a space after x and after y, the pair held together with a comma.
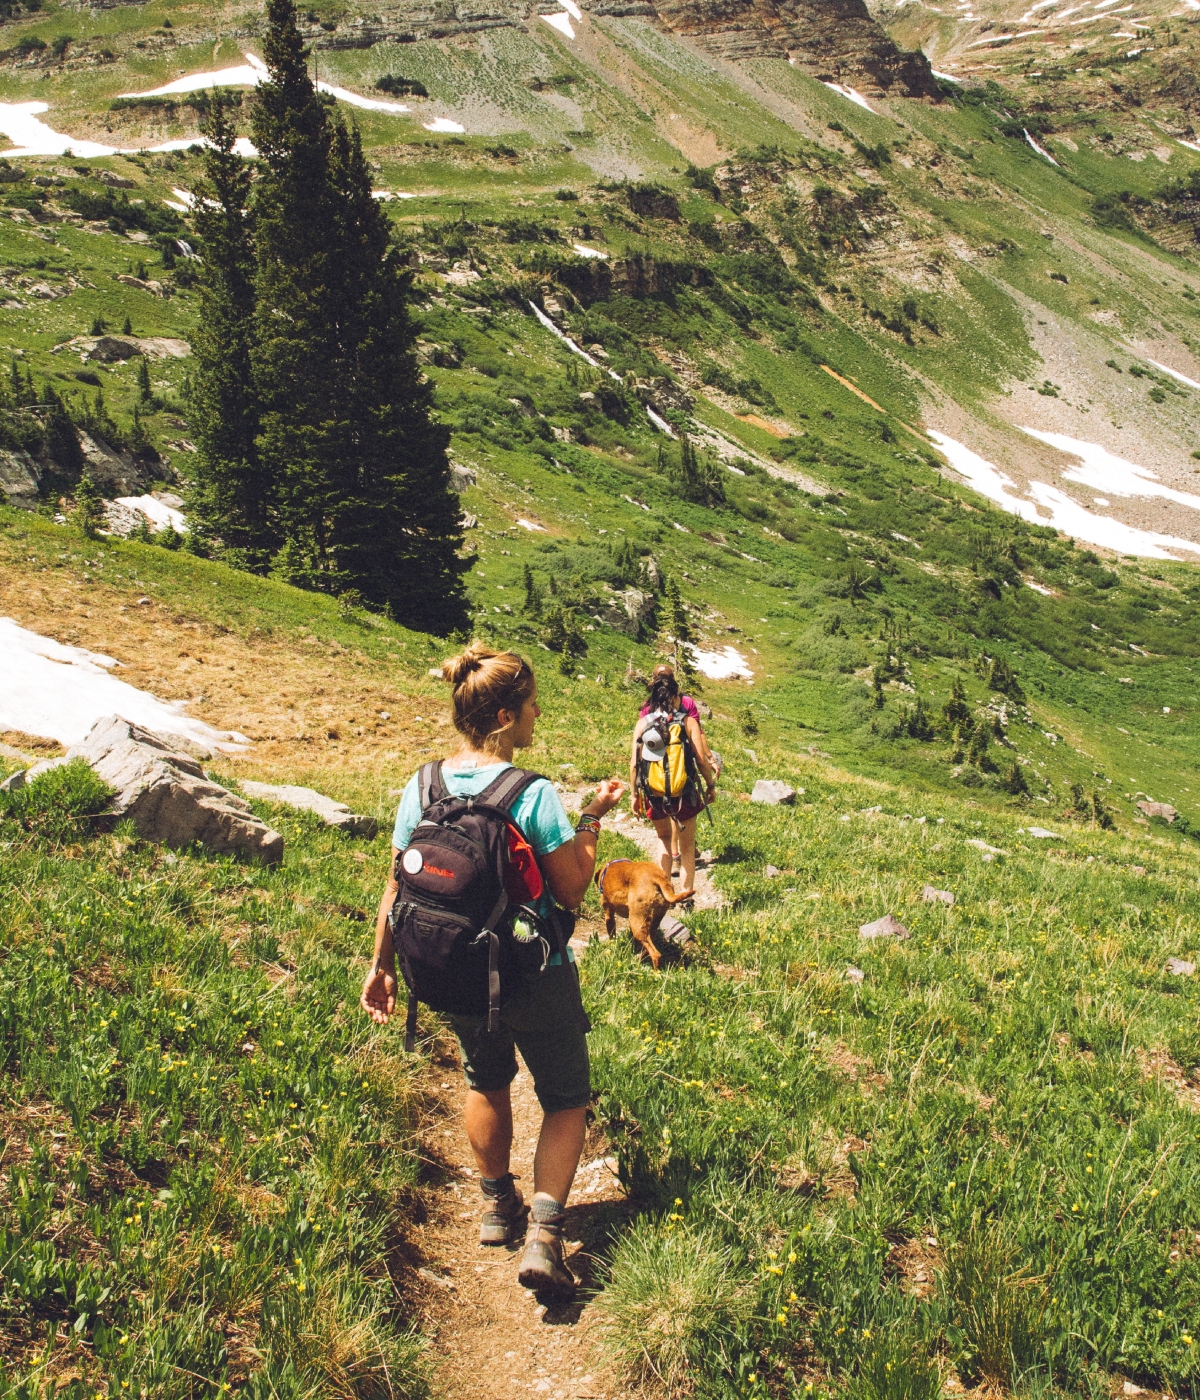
x: 666, y: 764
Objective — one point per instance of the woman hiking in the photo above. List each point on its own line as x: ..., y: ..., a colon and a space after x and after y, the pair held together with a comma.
x: 495, y: 709
x: 672, y: 810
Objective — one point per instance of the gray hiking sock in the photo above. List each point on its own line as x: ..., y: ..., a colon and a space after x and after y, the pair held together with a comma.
x: 547, y: 1212
x: 495, y: 1187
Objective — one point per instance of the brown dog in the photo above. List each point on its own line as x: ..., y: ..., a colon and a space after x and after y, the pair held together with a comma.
x: 637, y: 890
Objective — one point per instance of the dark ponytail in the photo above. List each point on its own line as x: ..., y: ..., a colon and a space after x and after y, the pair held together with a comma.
x: 664, y: 690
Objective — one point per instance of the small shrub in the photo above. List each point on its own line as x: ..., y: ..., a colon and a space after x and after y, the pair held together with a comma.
x: 59, y: 805
x: 897, y: 1366
x: 397, y: 86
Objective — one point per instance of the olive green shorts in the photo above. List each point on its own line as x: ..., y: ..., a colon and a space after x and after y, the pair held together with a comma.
x: 544, y: 1020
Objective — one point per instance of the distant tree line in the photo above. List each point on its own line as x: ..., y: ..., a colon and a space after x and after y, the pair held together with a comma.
x: 318, y: 459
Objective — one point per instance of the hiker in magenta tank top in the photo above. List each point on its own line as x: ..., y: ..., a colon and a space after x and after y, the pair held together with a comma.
x: 495, y: 708
x: 673, y: 814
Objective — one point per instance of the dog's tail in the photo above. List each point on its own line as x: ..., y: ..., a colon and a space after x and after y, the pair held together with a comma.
x: 668, y: 891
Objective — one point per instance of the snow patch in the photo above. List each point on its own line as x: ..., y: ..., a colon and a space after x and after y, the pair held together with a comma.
x: 568, y: 342
x: 950, y: 78
x: 572, y: 9
x: 1040, y: 588
x: 31, y: 137
x: 585, y: 252
x: 1041, y: 150
x: 1191, y: 145
x: 368, y: 104
x: 59, y: 692
x: 444, y: 124
x: 532, y: 525
x: 248, y: 74
x: 661, y: 423
x: 561, y: 22
x: 850, y: 92
x: 156, y: 512
x: 1103, y: 471
x: 1061, y: 511
x: 1166, y: 369
x: 726, y: 665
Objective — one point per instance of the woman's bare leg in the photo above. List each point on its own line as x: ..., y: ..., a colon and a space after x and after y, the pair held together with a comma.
x: 687, y: 853
x: 666, y: 835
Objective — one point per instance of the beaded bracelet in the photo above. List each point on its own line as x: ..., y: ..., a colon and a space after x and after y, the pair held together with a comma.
x: 588, y: 822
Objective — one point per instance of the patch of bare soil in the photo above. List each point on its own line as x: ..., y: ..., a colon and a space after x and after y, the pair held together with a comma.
x: 305, y: 703
x: 491, y: 1339
x: 915, y: 1262
x: 1158, y: 1064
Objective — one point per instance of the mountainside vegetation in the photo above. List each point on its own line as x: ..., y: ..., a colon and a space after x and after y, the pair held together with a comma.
x: 636, y: 344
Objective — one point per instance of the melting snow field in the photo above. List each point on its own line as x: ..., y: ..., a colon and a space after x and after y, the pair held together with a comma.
x: 1048, y: 505
x: 59, y: 692
x: 845, y: 91
x: 19, y: 121
x: 726, y: 665
x: 155, y: 512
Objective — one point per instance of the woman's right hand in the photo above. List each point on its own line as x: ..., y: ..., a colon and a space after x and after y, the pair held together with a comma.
x: 378, y: 998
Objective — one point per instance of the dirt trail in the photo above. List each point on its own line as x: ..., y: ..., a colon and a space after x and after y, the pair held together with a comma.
x: 492, y: 1340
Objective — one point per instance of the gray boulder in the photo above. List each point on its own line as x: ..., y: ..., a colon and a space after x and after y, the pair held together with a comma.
x: 935, y: 896
x: 1158, y: 809
x: 167, y: 797
x: 628, y: 611
x: 20, y: 477
x: 773, y: 791
x: 1180, y: 967
x: 13, y: 781
x: 887, y: 927
x: 332, y: 813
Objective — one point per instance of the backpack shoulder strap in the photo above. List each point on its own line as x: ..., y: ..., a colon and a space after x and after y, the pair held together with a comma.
x: 503, y: 791
x: 430, y: 785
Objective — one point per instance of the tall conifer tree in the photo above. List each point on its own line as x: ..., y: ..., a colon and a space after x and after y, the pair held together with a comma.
x: 231, y: 497
x: 397, y: 532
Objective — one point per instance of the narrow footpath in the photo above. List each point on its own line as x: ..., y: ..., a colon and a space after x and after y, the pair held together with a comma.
x: 490, y: 1338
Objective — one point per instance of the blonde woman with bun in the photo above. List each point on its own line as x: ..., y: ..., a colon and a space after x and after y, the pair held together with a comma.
x: 495, y: 710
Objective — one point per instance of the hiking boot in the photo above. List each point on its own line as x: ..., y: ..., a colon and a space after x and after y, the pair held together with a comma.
x: 542, y: 1268
x: 503, y: 1220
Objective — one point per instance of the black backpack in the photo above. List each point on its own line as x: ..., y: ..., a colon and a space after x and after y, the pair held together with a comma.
x: 452, y: 921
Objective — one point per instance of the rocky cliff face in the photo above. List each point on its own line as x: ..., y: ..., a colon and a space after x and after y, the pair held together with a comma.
x: 834, y: 40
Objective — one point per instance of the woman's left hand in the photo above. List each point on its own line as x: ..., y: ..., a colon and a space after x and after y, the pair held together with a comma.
x: 378, y: 998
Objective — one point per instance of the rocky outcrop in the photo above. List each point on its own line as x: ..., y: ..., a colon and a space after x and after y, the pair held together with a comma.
x: 774, y: 792
x: 20, y: 476
x: 834, y: 40
x: 167, y: 797
x: 303, y: 799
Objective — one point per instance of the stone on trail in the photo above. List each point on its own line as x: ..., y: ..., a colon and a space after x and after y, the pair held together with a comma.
x: 773, y: 791
x: 1180, y: 967
x: 887, y: 927
x: 1158, y: 809
x: 166, y: 795
x: 932, y: 896
x: 332, y: 813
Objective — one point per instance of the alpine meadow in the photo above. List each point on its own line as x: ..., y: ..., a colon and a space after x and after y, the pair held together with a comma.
x: 844, y: 357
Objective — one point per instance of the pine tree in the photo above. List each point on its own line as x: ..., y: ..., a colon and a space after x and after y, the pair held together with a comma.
x: 89, y: 505
x: 127, y: 324
x: 533, y: 594
x: 676, y: 639
x: 955, y: 711
x: 397, y: 530
x: 231, y: 498
x: 145, y: 393
x: 62, y: 441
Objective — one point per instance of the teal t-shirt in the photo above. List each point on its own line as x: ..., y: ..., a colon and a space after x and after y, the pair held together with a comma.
x: 538, y: 813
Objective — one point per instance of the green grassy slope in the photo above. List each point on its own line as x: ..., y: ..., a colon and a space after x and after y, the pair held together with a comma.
x: 937, y: 1115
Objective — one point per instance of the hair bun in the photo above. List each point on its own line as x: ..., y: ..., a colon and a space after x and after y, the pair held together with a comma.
x: 456, y: 669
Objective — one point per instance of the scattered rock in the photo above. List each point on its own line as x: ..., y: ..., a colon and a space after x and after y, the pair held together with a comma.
x: 771, y: 871
x: 13, y: 781
x: 20, y: 478
x: 1040, y: 833
x: 332, y: 813
x: 166, y: 795
x: 989, y: 852
x: 154, y: 288
x: 887, y: 927
x: 461, y: 477
x: 117, y: 182
x: 1137, y: 869
x: 438, y: 1280
x: 1128, y: 1388
x: 855, y: 974
x: 1177, y: 967
x: 774, y: 792
x: 1158, y: 809
x: 932, y: 896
